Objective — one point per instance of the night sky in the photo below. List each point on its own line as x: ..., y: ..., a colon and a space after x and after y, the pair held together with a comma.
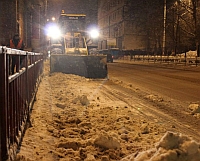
x: 88, y: 7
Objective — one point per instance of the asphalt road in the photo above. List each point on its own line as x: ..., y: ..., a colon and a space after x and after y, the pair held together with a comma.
x: 181, y: 84
x: 174, y: 88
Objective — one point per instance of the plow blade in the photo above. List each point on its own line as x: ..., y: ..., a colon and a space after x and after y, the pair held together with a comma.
x: 86, y: 66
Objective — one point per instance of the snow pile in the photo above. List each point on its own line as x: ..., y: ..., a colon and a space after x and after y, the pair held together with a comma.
x: 194, y: 109
x: 82, y: 99
x: 154, y: 98
x: 107, y: 142
x: 190, y: 54
x: 79, y: 119
x: 172, y: 147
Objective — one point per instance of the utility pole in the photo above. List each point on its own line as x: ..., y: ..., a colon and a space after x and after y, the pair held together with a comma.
x: 164, y: 29
x: 16, y: 16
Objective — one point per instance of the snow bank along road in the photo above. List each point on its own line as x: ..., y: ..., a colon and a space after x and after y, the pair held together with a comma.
x: 115, y: 119
x: 174, y: 93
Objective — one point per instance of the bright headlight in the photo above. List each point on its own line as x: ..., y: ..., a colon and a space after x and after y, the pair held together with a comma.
x: 54, y: 32
x: 94, y: 33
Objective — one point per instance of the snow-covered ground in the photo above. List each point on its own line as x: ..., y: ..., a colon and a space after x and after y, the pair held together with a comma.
x: 73, y: 119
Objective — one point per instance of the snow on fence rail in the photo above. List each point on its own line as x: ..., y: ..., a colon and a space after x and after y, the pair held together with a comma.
x: 177, y: 60
x: 18, y: 91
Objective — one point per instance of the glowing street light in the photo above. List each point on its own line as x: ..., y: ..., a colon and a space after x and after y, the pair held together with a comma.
x: 53, y: 18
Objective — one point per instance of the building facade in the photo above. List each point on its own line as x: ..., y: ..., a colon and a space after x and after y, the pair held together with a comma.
x: 26, y: 18
x: 118, y: 28
x: 7, y: 21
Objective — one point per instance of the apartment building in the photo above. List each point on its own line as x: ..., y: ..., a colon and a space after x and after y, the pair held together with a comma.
x: 118, y: 26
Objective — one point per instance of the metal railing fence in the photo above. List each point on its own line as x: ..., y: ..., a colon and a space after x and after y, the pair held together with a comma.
x: 175, y: 60
x: 18, y: 91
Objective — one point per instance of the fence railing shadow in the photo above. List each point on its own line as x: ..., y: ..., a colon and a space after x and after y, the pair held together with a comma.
x: 20, y: 74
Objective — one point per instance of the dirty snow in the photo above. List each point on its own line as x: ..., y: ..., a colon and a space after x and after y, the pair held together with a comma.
x: 171, y: 147
x: 74, y: 120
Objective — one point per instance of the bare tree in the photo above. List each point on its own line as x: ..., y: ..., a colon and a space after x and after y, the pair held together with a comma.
x: 183, y: 24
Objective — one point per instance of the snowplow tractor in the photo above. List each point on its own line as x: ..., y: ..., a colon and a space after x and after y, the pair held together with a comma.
x: 75, y: 58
